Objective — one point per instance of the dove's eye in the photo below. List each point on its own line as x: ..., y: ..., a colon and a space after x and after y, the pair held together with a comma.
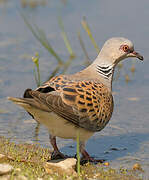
x: 125, y: 48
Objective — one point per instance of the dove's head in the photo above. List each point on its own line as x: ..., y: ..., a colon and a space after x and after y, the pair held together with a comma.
x: 117, y: 49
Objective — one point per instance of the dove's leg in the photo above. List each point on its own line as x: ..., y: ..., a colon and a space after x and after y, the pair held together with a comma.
x: 86, y: 157
x: 56, y: 154
x: 84, y: 153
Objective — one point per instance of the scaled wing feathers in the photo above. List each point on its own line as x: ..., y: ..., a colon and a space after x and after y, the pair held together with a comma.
x: 86, y: 104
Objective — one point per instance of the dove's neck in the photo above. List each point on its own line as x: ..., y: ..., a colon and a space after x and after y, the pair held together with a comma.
x: 104, y: 71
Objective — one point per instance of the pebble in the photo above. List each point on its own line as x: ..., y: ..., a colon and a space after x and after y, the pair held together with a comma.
x: 5, y: 169
x: 65, y: 166
x: 137, y: 166
x: 21, y: 177
x: 6, y: 177
x: 2, y: 156
x: 106, y: 163
x: 17, y: 170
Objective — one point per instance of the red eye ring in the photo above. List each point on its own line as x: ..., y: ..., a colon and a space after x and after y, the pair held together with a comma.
x: 125, y: 48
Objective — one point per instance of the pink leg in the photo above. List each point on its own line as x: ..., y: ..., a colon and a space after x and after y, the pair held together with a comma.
x: 56, y: 153
x: 86, y: 157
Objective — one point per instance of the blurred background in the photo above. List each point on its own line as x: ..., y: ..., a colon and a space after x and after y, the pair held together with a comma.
x: 42, y: 38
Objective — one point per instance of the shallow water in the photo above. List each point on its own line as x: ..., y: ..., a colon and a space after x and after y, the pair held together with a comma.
x: 128, y: 130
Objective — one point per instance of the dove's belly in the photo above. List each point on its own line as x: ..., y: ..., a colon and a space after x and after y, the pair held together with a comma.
x: 58, y: 126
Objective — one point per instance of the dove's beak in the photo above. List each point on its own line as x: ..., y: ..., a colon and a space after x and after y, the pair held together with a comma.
x: 136, y: 54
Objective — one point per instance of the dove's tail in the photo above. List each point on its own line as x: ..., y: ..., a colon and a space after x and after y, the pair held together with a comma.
x: 21, y: 101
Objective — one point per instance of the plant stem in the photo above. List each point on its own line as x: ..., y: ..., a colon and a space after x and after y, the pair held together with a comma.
x: 78, y: 153
x: 87, y: 59
x: 65, y: 38
x: 41, y: 37
x: 87, y: 29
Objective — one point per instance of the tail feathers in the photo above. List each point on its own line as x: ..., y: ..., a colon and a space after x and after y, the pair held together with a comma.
x: 29, y: 103
x: 21, y: 101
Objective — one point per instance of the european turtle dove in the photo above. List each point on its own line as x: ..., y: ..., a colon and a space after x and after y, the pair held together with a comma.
x: 80, y: 102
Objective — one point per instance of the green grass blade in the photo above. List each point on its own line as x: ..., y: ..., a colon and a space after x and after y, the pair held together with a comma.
x: 38, y: 75
x: 87, y: 60
x: 87, y: 29
x: 78, y: 154
x: 41, y: 37
x: 35, y: 76
x: 67, y: 64
x: 55, y: 71
x: 65, y: 38
x: 37, y: 71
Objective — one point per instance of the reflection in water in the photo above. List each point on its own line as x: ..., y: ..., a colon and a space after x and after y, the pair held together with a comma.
x: 37, y: 129
x: 33, y: 3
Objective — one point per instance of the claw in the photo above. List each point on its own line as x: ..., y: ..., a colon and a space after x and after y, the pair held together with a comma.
x: 86, y: 157
x: 58, y: 155
x: 91, y: 160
